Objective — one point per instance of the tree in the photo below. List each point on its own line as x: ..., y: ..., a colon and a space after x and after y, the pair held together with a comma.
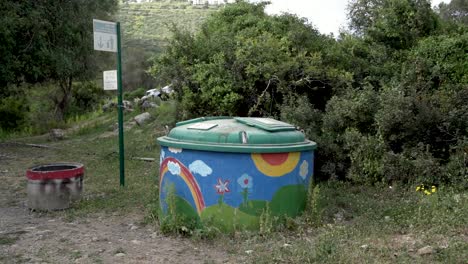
x: 394, y: 23
x: 50, y: 41
x: 245, y: 62
x: 456, y: 10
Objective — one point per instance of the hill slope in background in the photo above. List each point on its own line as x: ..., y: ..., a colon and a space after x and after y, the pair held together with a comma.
x: 146, y: 29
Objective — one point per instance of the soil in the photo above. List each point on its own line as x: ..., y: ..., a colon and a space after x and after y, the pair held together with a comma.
x: 35, y: 237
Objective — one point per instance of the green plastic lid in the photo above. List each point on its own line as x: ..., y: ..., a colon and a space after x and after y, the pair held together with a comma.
x: 238, y: 134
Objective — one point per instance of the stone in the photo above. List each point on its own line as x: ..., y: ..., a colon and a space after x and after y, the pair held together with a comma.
x: 120, y: 255
x: 109, y: 106
x: 141, y: 119
x: 147, y: 105
x: 127, y: 104
x: 425, y: 250
x: 57, y: 134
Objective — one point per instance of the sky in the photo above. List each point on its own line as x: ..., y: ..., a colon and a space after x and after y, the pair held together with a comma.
x: 326, y: 15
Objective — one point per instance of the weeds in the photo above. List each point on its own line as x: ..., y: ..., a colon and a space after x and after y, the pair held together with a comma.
x: 7, y: 240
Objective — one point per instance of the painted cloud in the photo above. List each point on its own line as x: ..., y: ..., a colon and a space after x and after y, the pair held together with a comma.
x: 173, y: 167
x: 201, y: 168
x: 304, y: 170
x: 175, y: 150
x: 162, y: 156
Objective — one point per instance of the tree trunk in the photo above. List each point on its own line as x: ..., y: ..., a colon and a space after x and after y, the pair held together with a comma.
x: 61, y: 103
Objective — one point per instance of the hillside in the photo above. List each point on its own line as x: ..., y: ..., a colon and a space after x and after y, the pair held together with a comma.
x: 146, y: 30
x: 148, y: 24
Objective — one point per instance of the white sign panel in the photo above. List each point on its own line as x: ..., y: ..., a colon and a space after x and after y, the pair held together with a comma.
x: 110, y: 80
x: 105, y: 35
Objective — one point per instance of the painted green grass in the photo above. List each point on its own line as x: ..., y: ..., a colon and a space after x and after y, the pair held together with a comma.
x: 289, y: 200
x: 227, y: 218
x: 253, y: 207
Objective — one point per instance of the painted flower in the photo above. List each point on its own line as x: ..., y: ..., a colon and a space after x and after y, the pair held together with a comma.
x: 245, y: 181
x: 222, y: 186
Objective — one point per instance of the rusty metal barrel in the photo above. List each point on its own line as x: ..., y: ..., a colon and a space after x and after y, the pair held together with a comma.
x: 54, y: 186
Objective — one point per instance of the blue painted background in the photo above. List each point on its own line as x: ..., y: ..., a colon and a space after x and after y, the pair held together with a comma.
x: 231, y: 166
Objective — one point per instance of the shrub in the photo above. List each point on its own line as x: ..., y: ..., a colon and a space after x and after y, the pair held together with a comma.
x: 137, y: 93
x: 86, y: 97
x: 13, y: 112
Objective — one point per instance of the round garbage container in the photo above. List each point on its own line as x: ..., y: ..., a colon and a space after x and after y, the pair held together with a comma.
x: 54, y: 186
x: 230, y: 172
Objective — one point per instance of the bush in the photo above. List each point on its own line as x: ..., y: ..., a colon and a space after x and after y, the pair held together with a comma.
x: 13, y: 112
x: 137, y: 93
x: 298, y: 111
x: 86, y: 97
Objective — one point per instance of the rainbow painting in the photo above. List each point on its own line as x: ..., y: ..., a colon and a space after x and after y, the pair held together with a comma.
x: 185, y: 174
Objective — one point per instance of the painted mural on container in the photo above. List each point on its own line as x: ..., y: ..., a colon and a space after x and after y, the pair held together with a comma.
x: 232, y: 190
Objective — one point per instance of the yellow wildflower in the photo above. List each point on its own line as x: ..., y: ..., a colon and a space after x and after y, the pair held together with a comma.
x: 427, y: 192
x: 418, y: 188
x: 433, y: 189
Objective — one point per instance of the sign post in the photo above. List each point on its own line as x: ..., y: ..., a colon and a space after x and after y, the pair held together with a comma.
x: 107, y: 38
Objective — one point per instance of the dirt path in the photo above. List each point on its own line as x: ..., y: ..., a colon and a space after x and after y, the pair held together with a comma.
x: 32, y: 237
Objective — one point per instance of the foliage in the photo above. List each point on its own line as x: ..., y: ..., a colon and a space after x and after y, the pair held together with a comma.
x: 455, y: 11
x: 146, y: 28
x: 49, y: 41
x: 13, y: 111
x: 396, y: 23
x: 244, y: 62
x: 137, y: 93
x: 384, y: 102
x: 85, y: 97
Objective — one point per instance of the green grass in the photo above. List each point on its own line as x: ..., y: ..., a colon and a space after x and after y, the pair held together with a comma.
x: 373, y: 225
x: 7, y: 240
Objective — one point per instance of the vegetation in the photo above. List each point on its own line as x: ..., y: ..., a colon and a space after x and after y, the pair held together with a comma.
x: 47, y: 42
x: 146, y: 32
x: 385, y: 101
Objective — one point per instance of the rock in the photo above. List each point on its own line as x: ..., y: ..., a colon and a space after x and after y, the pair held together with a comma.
x: 109, y: 106
x: 114, y: 127
x: 338, y: 217
x: 364, y: 246
x: 120, y: 254
x: 425, y: 250
x: 142, y: 118
x: 127, y: 104
x: 249, y: 251
x: 57, y: 134
x: 147, y: 105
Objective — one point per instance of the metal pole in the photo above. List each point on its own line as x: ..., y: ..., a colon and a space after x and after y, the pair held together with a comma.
x: 120, y: 108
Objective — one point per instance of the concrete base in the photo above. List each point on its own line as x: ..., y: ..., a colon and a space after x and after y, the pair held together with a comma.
x: 54, y: 194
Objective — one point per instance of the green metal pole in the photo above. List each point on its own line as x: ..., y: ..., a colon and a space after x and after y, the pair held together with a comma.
x: 120, y: 108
